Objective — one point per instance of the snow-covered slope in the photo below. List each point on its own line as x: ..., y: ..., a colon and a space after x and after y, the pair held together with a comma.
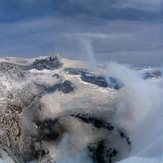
x: 55, y: 109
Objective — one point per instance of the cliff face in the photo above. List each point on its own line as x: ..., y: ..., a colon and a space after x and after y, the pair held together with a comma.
x: 51, y: 107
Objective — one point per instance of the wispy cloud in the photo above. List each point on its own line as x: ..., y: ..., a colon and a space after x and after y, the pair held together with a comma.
x: 128, y: 30
x: 148, y: 5
x: 104, y: 10
x: 125, y: 41
x: 35, y: 37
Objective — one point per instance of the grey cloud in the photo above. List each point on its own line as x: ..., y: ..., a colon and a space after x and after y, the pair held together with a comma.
x: 27, y: 38
x: 147, y: 5
x: 127, y: 31
x: 124, y: 41
x: 95, y: 11
x: 21, y: 10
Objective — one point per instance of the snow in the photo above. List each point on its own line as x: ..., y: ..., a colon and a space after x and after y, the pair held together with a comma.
x: 139, y: 106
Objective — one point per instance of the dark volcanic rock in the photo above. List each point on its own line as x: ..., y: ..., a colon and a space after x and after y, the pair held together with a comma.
x: 94, y: 121
x: 101, y: 81
x: 114, y: 83
x: 100, y: 154
x: 65, y: 87
x: 91, y: 78
x: 50, y: 63
x: 98, y: 123
x: 150, y: 75
x: 75, y: 71
x: 95, y: 79
x: 47, y: 131
x: 97, y: 152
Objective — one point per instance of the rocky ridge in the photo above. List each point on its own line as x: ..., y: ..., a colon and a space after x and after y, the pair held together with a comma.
x: 46, y: 100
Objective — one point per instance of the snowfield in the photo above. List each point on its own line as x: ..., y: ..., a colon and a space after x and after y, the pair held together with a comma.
x: 58, y: 110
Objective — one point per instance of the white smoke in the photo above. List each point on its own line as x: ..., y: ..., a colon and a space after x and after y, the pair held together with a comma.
x: 87, y: 49
x: 72, y: 148
x: 139, y: 98
x: 139, y: 111
x: 65, y: 153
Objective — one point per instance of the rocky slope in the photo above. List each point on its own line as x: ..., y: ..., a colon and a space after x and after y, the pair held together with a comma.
x: 50, y: 106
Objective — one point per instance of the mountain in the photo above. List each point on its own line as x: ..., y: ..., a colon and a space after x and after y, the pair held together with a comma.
x: 52, y: 109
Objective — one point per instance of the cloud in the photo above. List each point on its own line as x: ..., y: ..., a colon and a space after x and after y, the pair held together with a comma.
x: 96, y: 35
x: 105, y: 10
x: 16, y: 10
x: 90, y: 11
x: 124, y: 41
x: 148, y: 5
x: 127, y: 31
x: 29, y: 38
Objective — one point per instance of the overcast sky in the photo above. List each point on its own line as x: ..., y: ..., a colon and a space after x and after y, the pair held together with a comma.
x: 122, y: 30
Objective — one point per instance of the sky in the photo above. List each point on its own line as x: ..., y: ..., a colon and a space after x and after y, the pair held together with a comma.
x: 127, y: 31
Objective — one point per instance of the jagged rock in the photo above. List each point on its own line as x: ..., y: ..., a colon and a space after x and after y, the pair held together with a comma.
x: 101, y: 81
x: 50, y: 63
x: 95, y: 79
x: 152, y: 74
x: 65, y: 87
